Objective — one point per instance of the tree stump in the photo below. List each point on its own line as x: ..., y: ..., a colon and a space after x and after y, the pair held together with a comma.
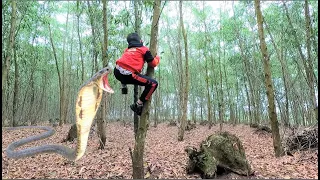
x: 219, y: 154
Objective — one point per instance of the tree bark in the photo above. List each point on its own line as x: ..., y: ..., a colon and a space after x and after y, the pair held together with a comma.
x: 10, y: 46
x: 207, y: 75
x: 101, y: 119
x: 137, y: 28
x: 309, y: 61
x: 80, y: 44
x: 268, y: 83
x: 64, y: 106
x: 137, y: 158
x: 184, y: 117
x: 16, y: 89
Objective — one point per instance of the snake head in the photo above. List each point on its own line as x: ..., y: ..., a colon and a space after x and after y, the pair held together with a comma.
x: 104, y: 83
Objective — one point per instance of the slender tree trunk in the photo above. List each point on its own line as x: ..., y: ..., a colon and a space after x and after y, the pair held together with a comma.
x: 268, y: 83
x: 137, y: 158
x: 10, y: 46
x: 64, y: 106
x: 93, y: 32
x: 79, y: 38
x: 184, y: 117
x: 16, y: 89
x: 59, y: 76
x: 309, y: 61
x: 180, y: 92
x: 137, y: 27
x: 207, y: 77
x: 284, y: 77
x: 101, y: 119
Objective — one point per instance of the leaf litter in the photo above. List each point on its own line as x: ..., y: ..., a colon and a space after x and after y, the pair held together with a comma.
x: 164, y: 158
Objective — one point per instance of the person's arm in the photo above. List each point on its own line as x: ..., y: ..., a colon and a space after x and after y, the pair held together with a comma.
x: 152, y: 61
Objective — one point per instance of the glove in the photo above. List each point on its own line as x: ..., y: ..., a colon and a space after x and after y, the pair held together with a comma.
x: 155, y: 61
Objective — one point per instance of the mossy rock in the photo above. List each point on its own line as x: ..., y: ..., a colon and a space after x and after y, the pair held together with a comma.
x: 219, y: 154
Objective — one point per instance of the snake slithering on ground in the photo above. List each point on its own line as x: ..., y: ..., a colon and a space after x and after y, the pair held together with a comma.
x: 87, y: 104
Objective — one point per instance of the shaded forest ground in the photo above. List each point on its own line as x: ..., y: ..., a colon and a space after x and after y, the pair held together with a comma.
x: 165, y: 156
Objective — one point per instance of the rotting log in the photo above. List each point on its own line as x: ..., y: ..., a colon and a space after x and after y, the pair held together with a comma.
x: 219, y: 154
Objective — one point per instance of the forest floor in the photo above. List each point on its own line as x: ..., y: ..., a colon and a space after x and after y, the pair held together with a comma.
x: 164, y: 155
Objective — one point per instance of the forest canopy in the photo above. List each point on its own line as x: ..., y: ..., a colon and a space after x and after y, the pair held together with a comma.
x: 42, y: 39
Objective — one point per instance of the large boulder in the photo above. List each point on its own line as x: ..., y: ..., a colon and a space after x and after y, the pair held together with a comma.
x: 219, y: 154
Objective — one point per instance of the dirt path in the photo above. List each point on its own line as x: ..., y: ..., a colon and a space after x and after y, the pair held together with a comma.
x: 165, y: 156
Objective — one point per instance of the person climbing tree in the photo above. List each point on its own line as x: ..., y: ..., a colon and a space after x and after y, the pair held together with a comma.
x: 129, y: 67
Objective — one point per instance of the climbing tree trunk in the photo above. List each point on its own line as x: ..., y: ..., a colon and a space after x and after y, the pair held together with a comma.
x: 185, y: 91
x: 137, y: 157
x: 137, y: 27
x: 268, y: 83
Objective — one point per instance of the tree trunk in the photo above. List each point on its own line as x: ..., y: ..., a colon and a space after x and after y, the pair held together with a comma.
x: 284, y: 77
x: 16, y: 89
x: 101, y: 119
x: 137, y: 27
x: 220, y: 102
x: 64, y: 103
x: 207, y: 77
x: 268, y: 83
x: 59, y: 77
x: 307, y: 63
x: 186, y: 83
x: 80, y: 44
x: 10, y: 46
x: 137, y: 158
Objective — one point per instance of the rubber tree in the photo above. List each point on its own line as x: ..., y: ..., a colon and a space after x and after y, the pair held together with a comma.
x: 268, y: 83
x: 137, y: 28
x: 8, y: 56
x: 137, y: 157
x: 186, y: 80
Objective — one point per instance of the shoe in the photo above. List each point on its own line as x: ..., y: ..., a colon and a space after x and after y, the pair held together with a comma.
x: 137, y: 108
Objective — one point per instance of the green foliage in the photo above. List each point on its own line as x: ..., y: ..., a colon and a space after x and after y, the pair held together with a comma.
x: 225, y: 28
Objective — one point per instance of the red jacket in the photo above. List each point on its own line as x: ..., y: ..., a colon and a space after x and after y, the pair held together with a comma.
x: 134, y: 58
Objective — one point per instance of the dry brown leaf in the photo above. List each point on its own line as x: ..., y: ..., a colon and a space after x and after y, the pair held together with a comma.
x: 164, y: 155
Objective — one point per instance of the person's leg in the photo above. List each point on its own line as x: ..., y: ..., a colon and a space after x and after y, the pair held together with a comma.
x: 150, y: 86
x: 141, y: 80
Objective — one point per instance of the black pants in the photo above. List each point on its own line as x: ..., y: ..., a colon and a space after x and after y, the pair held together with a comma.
x: 139, y: 79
